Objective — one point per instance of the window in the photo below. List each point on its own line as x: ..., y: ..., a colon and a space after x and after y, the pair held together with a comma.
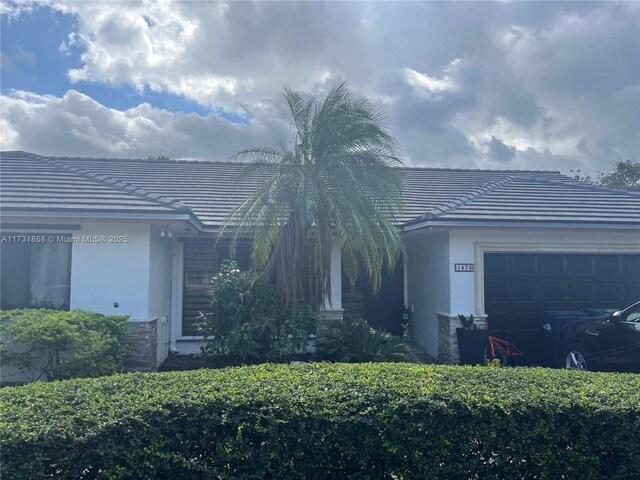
x: 202, y: 260
x: 198, y: 278
x: 35, y: 275
x: 633, y: 315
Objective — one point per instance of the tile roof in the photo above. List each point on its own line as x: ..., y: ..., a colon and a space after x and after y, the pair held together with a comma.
x: 430, y: 189
x: 29, y: 183
x: 549, y: 200
x: 208, y: 190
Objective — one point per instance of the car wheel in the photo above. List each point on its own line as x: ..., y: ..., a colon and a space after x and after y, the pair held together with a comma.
x: 575, y: 358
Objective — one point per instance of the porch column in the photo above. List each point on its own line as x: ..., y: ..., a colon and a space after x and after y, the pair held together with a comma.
x: 141, y: 342
x: 332, y: 307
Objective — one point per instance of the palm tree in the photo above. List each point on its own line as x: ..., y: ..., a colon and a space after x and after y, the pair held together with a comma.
x: 335, y: 181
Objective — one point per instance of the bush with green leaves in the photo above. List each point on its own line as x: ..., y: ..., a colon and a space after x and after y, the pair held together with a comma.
x: 55, y: 345
x: 355, y: 341
x: 326, y: 421
x: 249, y: 320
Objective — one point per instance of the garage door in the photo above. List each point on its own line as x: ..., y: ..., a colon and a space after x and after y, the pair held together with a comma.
x: 519, y: 287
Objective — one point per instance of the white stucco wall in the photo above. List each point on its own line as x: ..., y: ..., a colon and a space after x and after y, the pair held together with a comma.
x: 134, y: 272
x: 104, y: 273
x: 427, y: 288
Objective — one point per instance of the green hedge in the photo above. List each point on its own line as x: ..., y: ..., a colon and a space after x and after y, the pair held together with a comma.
x: 323, y: 421
x: 56, y: 344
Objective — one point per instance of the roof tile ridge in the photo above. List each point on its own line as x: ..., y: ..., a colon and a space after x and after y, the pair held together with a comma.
x: 475, y: 193
x: 150, y: 160
x: 20, y: 153
x: 475, y: 170
x: 163, y: 200
x: 578, y: 183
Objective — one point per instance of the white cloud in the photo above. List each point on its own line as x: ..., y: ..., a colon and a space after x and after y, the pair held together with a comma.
x: 75, y: 124
x: 432, y: 86
x: 217, y: 54
x: 556, y: 84
x: 17, y: 8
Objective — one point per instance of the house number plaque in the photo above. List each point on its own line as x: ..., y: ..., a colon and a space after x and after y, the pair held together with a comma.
x: 463, y: 267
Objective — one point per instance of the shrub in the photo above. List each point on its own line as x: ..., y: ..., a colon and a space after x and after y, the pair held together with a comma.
x: 354, y: 341
x: 326, y: 421
x: 55, y: 345
x: 249, y: 320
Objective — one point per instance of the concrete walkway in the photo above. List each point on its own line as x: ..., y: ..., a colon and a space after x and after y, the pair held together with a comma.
x: 422, y: 354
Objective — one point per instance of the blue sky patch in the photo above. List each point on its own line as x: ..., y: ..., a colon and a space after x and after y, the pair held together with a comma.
x: 33, y: 60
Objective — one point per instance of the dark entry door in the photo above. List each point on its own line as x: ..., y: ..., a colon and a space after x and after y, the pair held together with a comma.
x: 381, y: 310
x: 520, y: 286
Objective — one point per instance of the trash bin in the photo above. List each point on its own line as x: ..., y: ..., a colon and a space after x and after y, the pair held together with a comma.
x: 552, y: 324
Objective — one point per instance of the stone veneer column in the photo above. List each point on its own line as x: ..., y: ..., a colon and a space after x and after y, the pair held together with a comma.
x: 141, y: 343
x: 447, y: 338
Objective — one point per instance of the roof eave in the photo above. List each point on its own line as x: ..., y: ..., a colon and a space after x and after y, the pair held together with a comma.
x: 55, y: 216
x: 444, y: 223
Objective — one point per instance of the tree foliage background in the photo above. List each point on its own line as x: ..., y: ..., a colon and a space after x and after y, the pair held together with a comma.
x: 624, y: 176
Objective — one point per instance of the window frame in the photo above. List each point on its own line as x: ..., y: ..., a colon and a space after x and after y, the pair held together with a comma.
x: 29, y: 255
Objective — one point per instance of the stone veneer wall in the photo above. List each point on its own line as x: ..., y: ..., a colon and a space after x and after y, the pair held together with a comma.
x: 447, y: 338
x: 141, y: 343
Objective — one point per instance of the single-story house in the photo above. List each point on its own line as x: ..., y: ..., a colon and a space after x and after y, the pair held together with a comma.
x: 136, y: 237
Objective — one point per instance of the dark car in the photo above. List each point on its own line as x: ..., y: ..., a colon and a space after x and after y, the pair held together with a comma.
x: 601, y: 342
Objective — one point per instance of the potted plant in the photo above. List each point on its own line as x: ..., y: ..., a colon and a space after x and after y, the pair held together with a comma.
x: 472, y: 342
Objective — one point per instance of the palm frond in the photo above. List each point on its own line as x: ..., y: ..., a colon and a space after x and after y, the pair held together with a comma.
x: 355, y: 341
x: 334, y: 182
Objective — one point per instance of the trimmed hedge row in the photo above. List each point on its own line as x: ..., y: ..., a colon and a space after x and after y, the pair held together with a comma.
x: 324, y: 421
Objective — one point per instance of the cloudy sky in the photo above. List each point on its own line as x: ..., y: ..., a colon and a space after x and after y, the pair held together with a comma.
x: 486, y: 85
